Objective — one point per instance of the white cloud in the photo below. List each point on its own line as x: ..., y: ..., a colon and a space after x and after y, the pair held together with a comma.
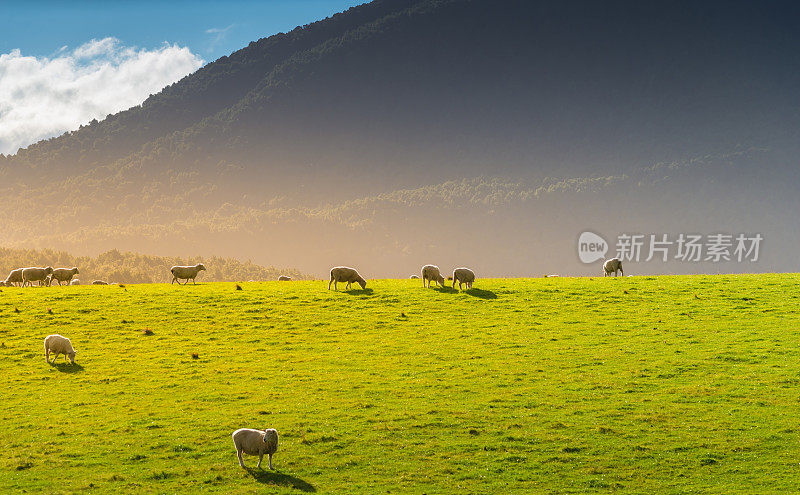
x: 41, y: 97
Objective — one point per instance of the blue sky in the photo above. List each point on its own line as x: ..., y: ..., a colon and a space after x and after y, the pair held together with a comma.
x: 40, y: 28
x: 64, y: 63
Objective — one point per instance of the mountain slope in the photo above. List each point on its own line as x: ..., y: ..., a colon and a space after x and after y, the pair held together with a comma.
x: 255, y: 151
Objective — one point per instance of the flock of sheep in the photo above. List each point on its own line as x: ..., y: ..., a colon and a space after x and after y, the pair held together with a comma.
x: 45, y: 276
x: 245, y: 440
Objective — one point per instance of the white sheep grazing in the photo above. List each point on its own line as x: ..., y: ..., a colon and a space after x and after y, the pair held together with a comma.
x: 60, y: 345
x: 185, y: 272
x: 285, y: 278
x: 14, y: 277
x: 35, y: 274
x: 99, y: 282
x: 612, y: 266
x: 255, y: 442
x: 463, y: 276
x: 430, y: 273
x: 64, y: 274
x: 75, y: 281
x: 414, y: 277
x: 346, y: 274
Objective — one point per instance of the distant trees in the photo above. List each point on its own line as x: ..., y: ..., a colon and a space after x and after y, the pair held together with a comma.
x: 134, y: 268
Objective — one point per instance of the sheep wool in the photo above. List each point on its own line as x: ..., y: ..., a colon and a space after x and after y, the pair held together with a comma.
x: 463, y: 276
x: 255, y: 442
x: 59, y: 345
x: 346, y: 274
x: 612, y: 266
x: 430, y: 273
x: 185, y: 273
x: 35, y: 274
x: 64, y: 274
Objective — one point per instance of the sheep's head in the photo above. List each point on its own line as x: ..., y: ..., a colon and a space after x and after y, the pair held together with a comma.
x: 271, y: 437
x: 200, y: 266
x: 362, y: 283
x: 75, y: 270
x: 48, y: 270
x: 71, y: 356
x: 441, y: 280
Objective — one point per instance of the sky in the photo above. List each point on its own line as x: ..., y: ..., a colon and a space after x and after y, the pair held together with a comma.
x: 63, y: 64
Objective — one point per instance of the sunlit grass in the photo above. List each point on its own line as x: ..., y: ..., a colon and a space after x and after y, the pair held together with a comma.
x: 644, y: 384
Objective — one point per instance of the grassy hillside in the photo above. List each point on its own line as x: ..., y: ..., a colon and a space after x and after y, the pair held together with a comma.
x: 666, y: 384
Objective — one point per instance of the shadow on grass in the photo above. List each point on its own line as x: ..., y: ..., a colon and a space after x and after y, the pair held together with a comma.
x: 67, y: 367
x: 481, y: 294
x: 280, y: 479
x: 359, y: 292
x: 445, y: 290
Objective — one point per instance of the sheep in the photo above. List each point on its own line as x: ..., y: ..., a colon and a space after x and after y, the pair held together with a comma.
x: 64, y: 274
x: 60, y: 345
x: 285, y: 278
x: 14, y: 277
x: 185, y: 272
x: 430, y: 273
x: 612, y: 266
x: 33, y: 274
x: 346, y: 274
x: 99, y: 282
x: 255, y: 442
x: 414, y: 277
x: 75, y: 281
x: 463, y: 276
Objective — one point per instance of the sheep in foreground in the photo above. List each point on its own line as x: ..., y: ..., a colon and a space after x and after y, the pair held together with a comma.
x: 75, y: 281
x: 60, y: 345
x: 346, y: 274
x: 285, y: 278
x: 99, y: 282
x: 430, y: 273
x: 463, y: 276
x: 35, y: 274
x: 64, y: 274
x: 612, y: 266
x: 14, y: 277
x: 186, y: 272
x: 255, y: 442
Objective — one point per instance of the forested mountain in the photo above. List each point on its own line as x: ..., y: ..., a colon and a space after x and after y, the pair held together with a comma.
x: 481, y: 132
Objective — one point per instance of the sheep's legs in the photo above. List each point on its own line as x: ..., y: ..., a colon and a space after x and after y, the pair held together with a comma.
x: 270, y: 461
x: 260, y: 456
x: 47, y: 355
x: 239, y: 453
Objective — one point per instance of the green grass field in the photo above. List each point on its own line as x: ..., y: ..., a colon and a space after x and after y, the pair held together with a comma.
x: 643, y: 384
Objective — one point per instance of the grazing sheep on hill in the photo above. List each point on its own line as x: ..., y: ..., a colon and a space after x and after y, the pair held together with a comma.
x: 346, y: 274
x: 414, y: 277
x: 285, y: 278
x: 64, y: 274
x: 14, y: 277
x: 430, y: 273
x: 463, y: 276
x: 185, y: 272
x: 612, y: 266
x: 99, y: 282
x: 60, y: 345
x: 75, y: 281
x: 255, y: 442
x: 35, y: 274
